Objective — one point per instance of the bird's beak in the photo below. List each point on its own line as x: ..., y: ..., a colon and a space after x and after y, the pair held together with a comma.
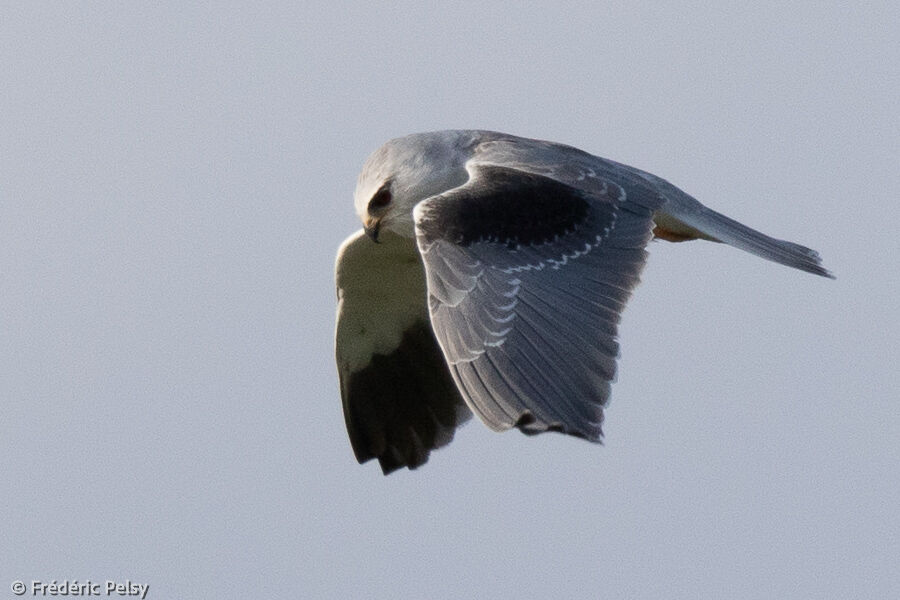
x: 371, y: 227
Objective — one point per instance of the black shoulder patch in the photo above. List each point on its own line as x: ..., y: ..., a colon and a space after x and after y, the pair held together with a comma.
x: 506, y: 206
x: 403, y: 404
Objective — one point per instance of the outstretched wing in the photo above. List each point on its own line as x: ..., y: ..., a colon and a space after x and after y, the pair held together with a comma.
x: 527, y: 278
x: 399, y: 399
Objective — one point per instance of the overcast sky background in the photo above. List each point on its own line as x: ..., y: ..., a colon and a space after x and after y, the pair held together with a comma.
x: 175, y: 180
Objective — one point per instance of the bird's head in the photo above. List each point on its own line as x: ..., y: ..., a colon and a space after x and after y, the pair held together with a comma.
x: 404, y: 172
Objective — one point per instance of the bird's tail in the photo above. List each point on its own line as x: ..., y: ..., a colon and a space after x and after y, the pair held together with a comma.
x: 717, y: 227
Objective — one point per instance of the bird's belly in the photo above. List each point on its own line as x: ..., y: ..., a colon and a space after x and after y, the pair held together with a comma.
x: 671, y: 229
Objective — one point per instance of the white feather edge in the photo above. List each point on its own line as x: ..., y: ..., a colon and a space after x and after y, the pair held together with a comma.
x: 381, y: 293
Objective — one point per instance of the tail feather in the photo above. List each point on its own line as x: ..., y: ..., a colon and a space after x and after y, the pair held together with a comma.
x: 729, y: 231
x: 686, y: 211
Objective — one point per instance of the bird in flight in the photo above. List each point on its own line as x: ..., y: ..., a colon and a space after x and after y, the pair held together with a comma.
x: 489, y: 278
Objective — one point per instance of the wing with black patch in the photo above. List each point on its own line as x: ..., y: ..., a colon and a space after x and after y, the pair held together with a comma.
x: 527, y: 279
x: 400, y: 401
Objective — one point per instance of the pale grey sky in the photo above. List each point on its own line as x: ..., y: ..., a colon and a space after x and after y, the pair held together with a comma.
x: 174, y: 182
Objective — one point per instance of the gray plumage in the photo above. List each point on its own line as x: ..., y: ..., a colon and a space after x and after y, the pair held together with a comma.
x: 528, y: 251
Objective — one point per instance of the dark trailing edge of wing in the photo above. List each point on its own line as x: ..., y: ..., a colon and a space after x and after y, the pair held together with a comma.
x: 506, y: 206
x: 404, y: 404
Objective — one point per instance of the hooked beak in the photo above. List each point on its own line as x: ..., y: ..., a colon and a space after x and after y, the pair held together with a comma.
x: 371, y: 227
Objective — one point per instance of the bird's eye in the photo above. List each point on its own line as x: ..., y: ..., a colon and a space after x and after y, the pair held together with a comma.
x: 381, y: 199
